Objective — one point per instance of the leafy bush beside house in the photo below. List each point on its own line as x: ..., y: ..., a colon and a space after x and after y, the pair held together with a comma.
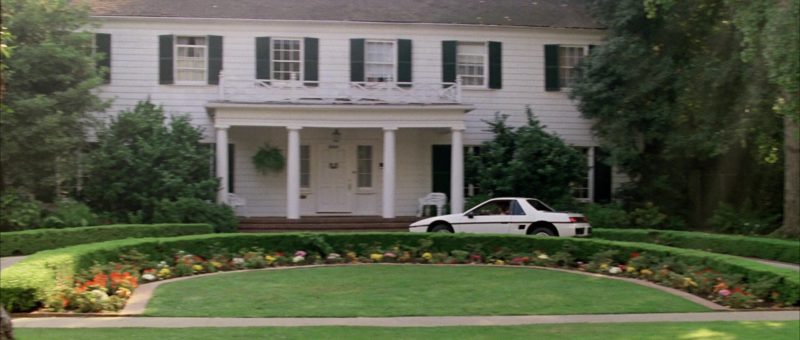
x: 748, y: 246
x: 28, y: 283
x: 31, y: 241
x: 141, y: 161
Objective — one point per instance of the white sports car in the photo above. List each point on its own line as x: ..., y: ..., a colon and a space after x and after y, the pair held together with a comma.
x: 508, y: 215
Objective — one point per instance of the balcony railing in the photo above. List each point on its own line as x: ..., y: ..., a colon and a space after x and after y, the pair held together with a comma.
x: 260, y: 91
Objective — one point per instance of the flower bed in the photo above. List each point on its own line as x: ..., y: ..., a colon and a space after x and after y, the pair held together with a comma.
x: 748, y: 246
x: 67, y: 279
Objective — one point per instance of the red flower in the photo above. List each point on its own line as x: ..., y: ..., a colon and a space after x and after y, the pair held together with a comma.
x: 634, y: 255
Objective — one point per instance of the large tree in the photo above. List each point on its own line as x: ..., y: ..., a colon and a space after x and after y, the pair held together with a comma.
x: 683, y: 114
x: 47, y: 94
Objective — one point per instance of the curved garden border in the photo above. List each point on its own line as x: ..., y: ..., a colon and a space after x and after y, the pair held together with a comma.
x: 27, y: 283
x: 141, y: 297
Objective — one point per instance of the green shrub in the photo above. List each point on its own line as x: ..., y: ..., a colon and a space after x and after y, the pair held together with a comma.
x: 70, y: 213
x: 607, y: 216
x: 748, y: 246
x: 31, y: 241
x: 37, y: 275
x: 19, y: 211
x: 727, y: 219
x: 192, y: 210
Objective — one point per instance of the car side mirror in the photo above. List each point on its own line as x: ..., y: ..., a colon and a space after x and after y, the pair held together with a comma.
x: 470, y: 215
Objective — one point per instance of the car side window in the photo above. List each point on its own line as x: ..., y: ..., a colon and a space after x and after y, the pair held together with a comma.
x: 516, y: 209
x: 494, y: 208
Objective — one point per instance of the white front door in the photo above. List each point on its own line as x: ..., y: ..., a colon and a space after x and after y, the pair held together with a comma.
x: 333, y: 181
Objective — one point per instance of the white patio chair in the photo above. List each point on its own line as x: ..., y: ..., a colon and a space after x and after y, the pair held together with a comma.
x: 237, y: 202
x: 437, y: 199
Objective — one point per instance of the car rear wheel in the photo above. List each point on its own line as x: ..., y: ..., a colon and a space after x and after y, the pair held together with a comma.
x: 542, y: 232
x: 441, y: 228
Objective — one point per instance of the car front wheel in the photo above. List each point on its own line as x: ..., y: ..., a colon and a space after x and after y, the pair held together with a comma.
x: 441, y: 228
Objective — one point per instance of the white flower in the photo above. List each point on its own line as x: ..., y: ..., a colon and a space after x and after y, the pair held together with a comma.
x: 162, y: 264
x: 614, y: 270
x: 334, y: 256
x: 238, y: 260
x: 100, y: 295
x: 148, y: 277
x: 297, y: 259
x: 543, y: 256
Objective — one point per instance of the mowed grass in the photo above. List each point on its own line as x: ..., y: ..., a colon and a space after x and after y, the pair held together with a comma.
x: 721, y: 330
x: 407, y: 290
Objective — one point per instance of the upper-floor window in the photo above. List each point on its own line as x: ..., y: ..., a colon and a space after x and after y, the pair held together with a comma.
x: 561, y: 65
x: 379, y: 61
x: 287, y: 59
x: 190, y: 59
x: 568, y: 59
x: 471, y: 63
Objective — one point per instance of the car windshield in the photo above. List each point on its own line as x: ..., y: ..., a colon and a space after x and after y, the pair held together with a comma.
x: 539, y: 205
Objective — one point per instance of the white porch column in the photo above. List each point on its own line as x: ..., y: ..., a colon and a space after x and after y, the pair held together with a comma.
x: 457, y: 172
x: 388, y: 172
x: 222, y: 164
x: 293, y: 173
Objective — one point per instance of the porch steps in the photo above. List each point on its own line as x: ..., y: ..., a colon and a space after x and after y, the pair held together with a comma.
x: 324, y: 224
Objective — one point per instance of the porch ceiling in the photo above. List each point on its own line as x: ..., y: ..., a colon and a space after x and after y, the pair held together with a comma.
x: 227, y: 114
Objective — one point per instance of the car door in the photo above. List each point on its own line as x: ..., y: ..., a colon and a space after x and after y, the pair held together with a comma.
x: 489, y: 218
x: 519, y: 218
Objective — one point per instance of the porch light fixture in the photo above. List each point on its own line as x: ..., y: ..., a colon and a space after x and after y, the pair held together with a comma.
x: 336, y: 136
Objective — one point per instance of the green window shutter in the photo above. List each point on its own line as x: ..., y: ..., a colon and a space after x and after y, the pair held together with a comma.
x: 263, y: 59
x: 102, y: 46
x: 311, y: 61
x: 214, y: 59
x: 356, y: 59
x: 602, y: 176
x: 449, y: 61
x: 551, y: 68
x: 495, y: 65
x: 231, y: 169
x: 165, y: 59
x: 404, y: 62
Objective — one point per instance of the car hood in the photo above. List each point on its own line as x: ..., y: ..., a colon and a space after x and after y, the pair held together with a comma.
x: 429, y: 220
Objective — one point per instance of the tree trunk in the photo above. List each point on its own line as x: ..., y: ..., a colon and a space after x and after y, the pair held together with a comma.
x: 791, y: 185
x: 6, y: 333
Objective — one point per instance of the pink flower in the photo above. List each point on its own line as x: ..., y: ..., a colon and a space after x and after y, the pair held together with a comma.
x: 724, y: 292
x: 300, y: 253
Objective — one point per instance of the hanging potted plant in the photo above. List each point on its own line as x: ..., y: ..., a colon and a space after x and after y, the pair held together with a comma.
x: 268, y: 159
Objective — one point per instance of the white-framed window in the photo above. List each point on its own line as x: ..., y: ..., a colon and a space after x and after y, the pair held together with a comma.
x: 471, y: 63
x: 364, y: 171
x: 568, y: 59
x: 305, y: 166
x: 287, y: 59
x: 380, y: 59
x: 582, y: 190
x: 191, y: 59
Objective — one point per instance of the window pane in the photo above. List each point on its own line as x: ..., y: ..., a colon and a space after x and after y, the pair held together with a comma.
x: 469, y: 63
x: 568, y: 60
x: 364, y: 155
x: 379, y: 61
x: 190, y: 59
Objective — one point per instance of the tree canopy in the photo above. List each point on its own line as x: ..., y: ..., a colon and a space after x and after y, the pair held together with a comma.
x: 682, y: 112
x: 47, y: 93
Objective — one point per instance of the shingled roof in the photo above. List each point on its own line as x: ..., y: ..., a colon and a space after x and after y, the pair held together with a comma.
x: 526, y: 13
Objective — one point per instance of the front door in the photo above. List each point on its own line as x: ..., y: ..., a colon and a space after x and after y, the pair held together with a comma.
x: 333, y: 181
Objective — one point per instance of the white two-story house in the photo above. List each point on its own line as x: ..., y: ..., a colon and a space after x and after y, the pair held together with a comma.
x: 372, y: 102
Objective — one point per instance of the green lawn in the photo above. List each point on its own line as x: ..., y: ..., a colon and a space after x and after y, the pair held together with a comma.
x: 775, y: 330
x: 407, y: 290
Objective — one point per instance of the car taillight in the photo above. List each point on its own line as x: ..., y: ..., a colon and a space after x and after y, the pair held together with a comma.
x: 573, y: 219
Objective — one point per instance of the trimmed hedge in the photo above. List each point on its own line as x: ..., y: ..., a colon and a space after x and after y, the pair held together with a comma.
x: 30, y: 241
x: 25, y: 285
x: 748, y: 246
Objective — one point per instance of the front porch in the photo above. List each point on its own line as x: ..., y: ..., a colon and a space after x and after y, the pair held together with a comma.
x: 341, y: 160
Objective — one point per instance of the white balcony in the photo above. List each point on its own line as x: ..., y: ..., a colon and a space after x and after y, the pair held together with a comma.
x: 272, y: 91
